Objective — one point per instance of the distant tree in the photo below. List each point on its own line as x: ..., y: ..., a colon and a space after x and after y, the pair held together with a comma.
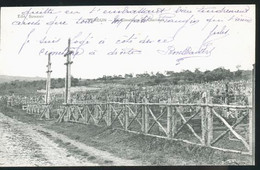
x: 207, y: 76
x: 217, y: 74
x: 159, y: 75
x: 238, y: 73
x: 74, y: 81
x: 198, y: 75
x: 109, y: 77
x: 159, y: 80
x: 138, y: 75
x: 115, y: 77
x: 170, y: 73
x: 188, y: 75
x: 145, y: 75
x: 128, y: 75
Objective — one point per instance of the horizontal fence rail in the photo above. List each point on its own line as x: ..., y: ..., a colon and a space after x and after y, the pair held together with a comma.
x: 222, y: 127
x: 41, y: 109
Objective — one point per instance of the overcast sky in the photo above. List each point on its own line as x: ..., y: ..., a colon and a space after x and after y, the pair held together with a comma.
x: 126, y: 39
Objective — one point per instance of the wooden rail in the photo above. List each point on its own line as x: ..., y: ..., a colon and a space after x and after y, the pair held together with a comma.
x: 42, y: 109
x: 201, y: 126
x: 204, y: 124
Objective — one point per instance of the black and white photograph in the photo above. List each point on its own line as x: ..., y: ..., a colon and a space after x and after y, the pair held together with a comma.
x: 127, y: 85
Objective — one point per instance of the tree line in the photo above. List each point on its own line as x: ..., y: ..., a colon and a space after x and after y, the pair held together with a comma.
x: 185, y: 76
x: 168, y: 77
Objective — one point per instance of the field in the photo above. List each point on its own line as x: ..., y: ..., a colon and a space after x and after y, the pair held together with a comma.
x: 87, y: 120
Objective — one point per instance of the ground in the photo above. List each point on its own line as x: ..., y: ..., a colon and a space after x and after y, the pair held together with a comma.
x: 26, y: 145
x: 28, y: 141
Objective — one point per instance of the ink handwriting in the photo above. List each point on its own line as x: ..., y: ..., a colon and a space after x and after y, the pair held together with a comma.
x: 133, y: 26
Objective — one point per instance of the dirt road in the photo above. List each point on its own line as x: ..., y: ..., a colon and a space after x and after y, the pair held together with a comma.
x: 24, y: 145
x: 21, y: 145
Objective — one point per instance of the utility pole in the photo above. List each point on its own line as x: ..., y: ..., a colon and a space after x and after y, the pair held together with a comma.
x: 68, y: 74
x: 48, y: 82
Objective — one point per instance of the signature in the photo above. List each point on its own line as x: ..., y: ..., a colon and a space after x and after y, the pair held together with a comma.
x: 205, y: 50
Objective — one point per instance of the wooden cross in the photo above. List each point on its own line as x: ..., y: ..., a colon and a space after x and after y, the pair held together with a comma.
x: 48, y: 82
x: 68, y: 74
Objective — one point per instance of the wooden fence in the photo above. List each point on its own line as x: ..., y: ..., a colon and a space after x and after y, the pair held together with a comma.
x: 42, y: 109
x: 222, y: 127
x: 211, y: 125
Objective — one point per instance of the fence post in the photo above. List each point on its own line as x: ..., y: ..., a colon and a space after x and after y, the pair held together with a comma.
x: 227, y: 95
x: 169, y: 120
x: 86, y: 114
x: 69, y: 112
x: 105, y: 116
x: 203, y: 120
x: 94, y: 113
x: 145, y: 116
x: 48, y: 112
x: 126, y: 115
x: 174, y: 121
x: 209, y: 120
x: 37, y: 109
x: 206, y: 120
x: 109, y: 115
x: 33, y: 108
x: 28, y: 108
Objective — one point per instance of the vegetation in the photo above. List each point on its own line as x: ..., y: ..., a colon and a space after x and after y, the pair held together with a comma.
x: 148, y: 79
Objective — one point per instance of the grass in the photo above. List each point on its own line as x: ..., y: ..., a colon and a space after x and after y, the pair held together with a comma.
x: 149, y: 150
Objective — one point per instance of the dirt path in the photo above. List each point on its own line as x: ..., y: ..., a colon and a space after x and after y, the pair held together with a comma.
x: 105, y: 158
x: 23, y: 145
x: 20, y: 145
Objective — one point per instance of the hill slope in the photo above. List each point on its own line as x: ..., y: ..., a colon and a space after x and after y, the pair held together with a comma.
x: 5, y: 78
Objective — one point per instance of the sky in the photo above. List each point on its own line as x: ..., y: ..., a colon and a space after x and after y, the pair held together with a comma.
x: 113, y: 40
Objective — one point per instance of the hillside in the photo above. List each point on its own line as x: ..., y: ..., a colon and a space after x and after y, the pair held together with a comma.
x: 30, y: 85
x: 6, y: 79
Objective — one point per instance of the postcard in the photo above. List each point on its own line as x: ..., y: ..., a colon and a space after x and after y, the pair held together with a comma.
x: 166, y: 82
